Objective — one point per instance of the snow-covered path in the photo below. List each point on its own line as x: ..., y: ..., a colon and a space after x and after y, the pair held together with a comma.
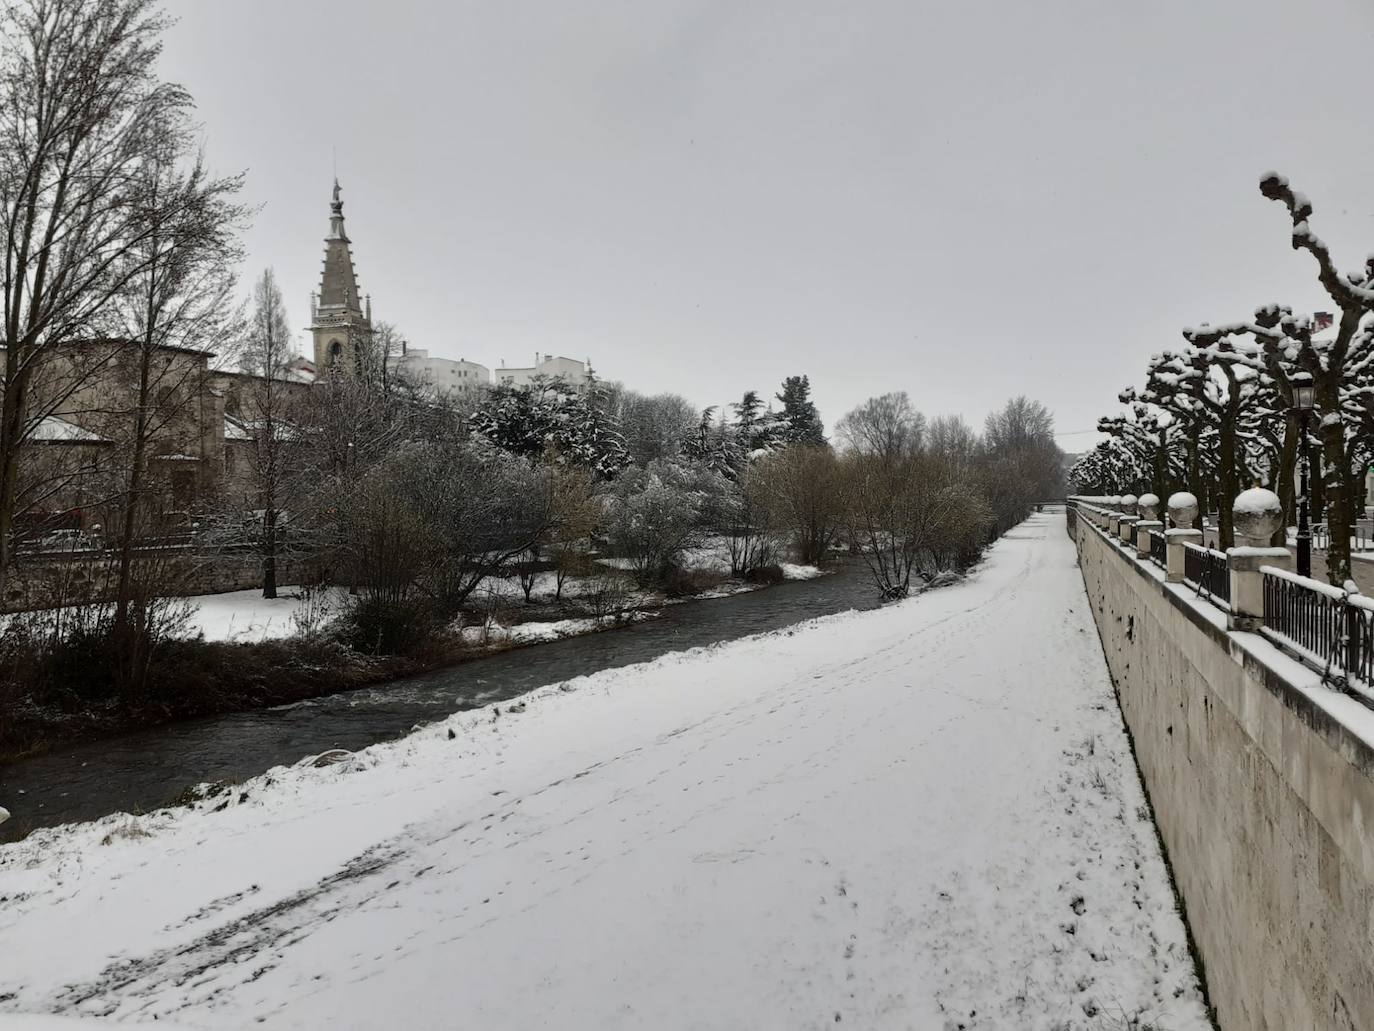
x: 920, y: 817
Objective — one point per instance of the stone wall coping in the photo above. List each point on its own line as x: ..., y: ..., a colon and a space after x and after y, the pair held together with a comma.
x: 1247, y: 551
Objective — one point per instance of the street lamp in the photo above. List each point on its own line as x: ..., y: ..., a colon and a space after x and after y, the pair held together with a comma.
x: 1304, y: 400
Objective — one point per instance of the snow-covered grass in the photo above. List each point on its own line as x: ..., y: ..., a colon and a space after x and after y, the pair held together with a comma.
x: 925, y: 816
x: 247, y: 616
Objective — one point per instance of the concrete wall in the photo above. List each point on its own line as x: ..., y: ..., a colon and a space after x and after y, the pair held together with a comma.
x: 1262, y: 782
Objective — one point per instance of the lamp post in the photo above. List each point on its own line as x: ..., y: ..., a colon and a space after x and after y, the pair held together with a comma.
x: 1303, y: 403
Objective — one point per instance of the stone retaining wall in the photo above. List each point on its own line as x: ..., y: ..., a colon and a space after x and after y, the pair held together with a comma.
x: 1262, y: 782
x: 40, y: 582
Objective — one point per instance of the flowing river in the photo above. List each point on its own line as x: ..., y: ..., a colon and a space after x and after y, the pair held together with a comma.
x: 144, y: 770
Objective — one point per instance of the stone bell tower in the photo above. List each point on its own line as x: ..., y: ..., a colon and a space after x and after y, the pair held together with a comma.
x: 340, y: 321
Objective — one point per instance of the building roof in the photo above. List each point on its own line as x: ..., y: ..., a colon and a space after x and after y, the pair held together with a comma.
x: 52, y: 430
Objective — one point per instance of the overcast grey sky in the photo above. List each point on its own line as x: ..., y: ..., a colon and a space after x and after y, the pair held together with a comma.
x: 965, y: 200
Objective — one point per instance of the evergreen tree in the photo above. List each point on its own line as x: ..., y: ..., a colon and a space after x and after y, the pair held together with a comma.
x: 801, y: 423
x: 551, y: 418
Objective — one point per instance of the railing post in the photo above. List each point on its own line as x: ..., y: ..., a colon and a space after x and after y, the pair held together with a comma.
x: 1257, y: 513
x: 1182, y: 512
x: 1147, y: 505
x: 1143, y: 529
x: 1126, y: 528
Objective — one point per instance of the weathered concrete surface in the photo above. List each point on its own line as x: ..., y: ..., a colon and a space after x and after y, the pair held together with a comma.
x: 1262, y: 783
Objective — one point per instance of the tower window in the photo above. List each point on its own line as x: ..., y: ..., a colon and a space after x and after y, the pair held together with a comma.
x: 335, y: 350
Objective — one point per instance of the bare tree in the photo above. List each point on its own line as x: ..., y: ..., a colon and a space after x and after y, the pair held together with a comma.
x: 177, y: 298
x: 799, y: 491
x: 904, y: 510
x: 887, y: 426
x: 81, y: 111
x: 269, y: 416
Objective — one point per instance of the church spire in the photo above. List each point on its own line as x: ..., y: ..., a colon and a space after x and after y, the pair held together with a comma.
x: 339, y: 320
x: 339, y: 282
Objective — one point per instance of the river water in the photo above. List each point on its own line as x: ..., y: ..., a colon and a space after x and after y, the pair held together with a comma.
x: 144, y: 770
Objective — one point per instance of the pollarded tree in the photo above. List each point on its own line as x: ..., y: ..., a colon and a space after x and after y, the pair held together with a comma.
x: 1216, y: 393
x: 1111, y: 468
x: 1271, y: 431
x: 1329, y: 361
x: 1151, y: 435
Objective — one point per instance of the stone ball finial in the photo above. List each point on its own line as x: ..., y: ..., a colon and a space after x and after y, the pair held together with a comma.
x: 1183, y: 509
x: 1148, y: 506
x: 1128, y: 504
x: 1258, y: 514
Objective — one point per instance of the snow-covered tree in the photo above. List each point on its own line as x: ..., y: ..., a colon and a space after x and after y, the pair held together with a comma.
x: 799, y: 421
x: 1332, y: 361
x: 550, y: 418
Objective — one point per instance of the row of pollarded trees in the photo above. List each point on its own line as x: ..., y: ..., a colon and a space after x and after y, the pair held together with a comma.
x: 1217, y: 414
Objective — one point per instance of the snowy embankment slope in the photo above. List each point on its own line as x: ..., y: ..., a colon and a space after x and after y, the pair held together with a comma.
x: 920, y: 817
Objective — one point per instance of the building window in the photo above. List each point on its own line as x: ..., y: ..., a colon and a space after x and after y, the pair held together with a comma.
x: 335, y: 351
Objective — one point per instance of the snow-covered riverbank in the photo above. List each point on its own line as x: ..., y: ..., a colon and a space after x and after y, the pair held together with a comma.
x: 925, y: 816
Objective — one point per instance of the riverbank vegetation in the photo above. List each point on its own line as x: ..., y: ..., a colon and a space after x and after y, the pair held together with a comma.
x: 445, y: 548
x: 408, y: 500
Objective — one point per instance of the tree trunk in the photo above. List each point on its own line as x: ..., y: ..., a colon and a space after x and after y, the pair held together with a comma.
x: 1285, y: 487
x: 269, y: 550
x: 123, y: 586
x: 1227, y: 470
x: 11, y: 429
x: 1338, y: 512
x: 1316, y: 481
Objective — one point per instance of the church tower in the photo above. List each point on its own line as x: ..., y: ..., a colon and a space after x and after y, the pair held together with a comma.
x: 340, y: 323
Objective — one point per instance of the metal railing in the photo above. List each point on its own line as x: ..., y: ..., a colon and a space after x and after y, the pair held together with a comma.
x: 1159, y: 549
x: 1208, y: 572
x: 1331, y: 629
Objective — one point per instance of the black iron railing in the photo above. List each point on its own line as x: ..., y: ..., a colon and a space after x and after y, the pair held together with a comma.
x: 1333, y: 629
x: 1159, y: 549
x: 1208, y: 572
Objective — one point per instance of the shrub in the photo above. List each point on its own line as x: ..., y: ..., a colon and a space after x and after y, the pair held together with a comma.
x: 607, y: 595
x: 379, y: 626
x: 770, y: 574
x: 684, y: 583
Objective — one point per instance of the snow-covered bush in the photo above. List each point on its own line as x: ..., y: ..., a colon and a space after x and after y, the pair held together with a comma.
x: 655, y: 513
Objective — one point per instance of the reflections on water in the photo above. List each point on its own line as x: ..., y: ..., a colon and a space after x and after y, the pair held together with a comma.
x: 144, y: 770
